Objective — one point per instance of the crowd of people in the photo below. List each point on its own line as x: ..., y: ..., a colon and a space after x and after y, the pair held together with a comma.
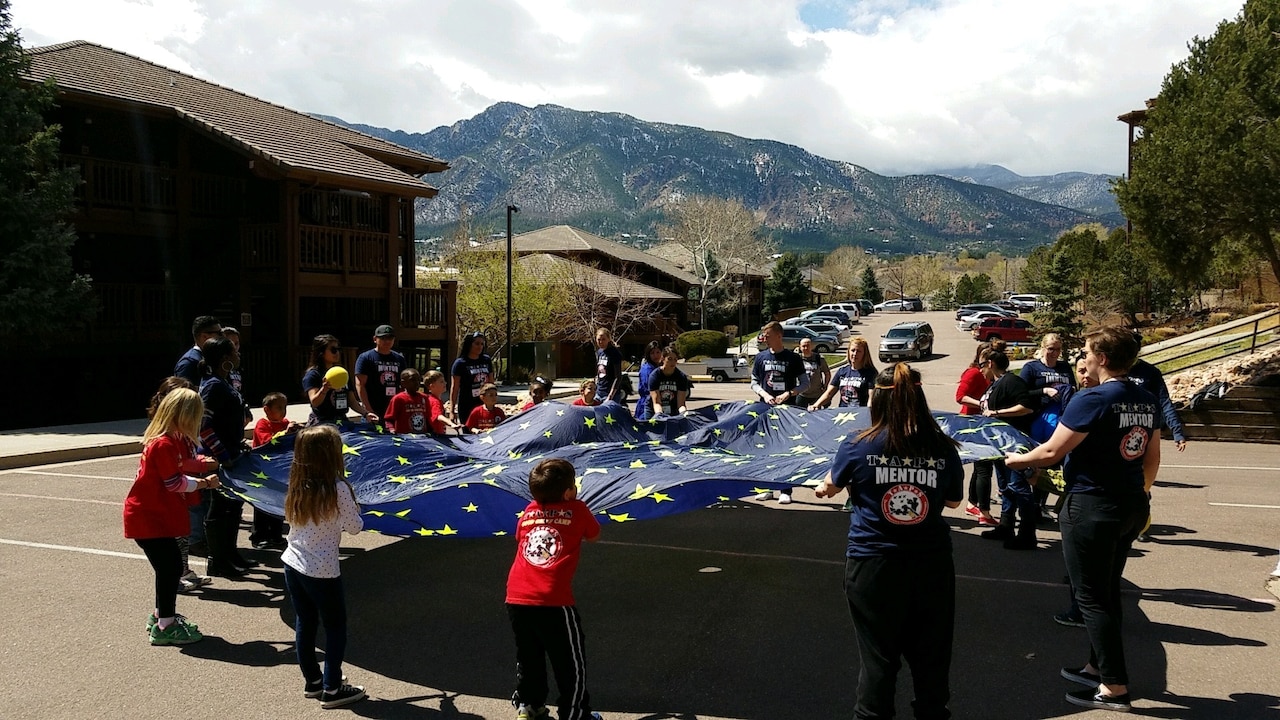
x: 1099, y: 420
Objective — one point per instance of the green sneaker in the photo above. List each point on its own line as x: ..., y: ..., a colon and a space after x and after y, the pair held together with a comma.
x: 179, y: 633
x: 151, y: 622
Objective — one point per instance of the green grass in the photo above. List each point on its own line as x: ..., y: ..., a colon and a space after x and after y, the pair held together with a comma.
x: 1215, y: 352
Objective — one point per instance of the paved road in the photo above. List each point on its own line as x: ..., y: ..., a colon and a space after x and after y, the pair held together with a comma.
x: 732, y: 612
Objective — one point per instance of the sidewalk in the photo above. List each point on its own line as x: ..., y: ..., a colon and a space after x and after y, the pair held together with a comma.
x: 90, y: 441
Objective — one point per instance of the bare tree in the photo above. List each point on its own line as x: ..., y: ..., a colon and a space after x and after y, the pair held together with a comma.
x: 843, y: 269
x: 593, y: 298
x: 720, y: 236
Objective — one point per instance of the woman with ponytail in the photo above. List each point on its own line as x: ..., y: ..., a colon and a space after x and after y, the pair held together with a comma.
x: 899, y: 574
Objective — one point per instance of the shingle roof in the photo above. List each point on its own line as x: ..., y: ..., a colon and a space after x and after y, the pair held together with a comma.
x: 682, y: 257
x: 563, y: 238
x: 297, y: 144
x: 553, y: 268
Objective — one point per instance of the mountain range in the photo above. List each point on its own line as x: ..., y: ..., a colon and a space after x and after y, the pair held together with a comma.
x: 611, y: 174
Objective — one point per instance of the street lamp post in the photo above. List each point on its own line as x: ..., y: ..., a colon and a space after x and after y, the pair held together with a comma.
x: 510, y: 209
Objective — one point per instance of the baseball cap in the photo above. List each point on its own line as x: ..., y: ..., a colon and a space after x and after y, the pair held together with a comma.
x: 384, y: 331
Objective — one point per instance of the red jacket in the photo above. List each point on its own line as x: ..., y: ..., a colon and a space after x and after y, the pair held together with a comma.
x: 972, y: 383
x: 156, y: 506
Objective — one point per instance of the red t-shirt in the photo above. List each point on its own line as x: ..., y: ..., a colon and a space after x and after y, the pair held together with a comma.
x: 972, y: 383
x: 435, y: 415
x: 482, y: 418
x: 152, y: 510
x: 407, y: 413
x: 265, y: 429
x: 548, y: 543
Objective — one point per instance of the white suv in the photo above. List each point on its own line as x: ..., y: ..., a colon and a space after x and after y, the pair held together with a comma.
x: 850, y: 309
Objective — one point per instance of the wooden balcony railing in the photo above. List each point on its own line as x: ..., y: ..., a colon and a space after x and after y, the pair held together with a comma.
x: 329, y: 250
x: 152, y: 188
x: 260, y: 247
x: 424, y: 308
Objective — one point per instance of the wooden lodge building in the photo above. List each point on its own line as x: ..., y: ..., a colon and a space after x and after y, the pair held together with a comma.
x: 196, y: 199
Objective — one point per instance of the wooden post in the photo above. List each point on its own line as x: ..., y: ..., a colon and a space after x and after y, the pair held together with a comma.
x: 450, y: 321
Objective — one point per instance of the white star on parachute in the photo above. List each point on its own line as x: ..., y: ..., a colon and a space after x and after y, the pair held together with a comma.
x: 845, y: 417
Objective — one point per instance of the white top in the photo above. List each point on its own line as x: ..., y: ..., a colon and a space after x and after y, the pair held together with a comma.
x: 313, y: 549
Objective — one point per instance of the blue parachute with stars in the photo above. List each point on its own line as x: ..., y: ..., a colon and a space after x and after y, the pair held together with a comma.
x: 477, y: 485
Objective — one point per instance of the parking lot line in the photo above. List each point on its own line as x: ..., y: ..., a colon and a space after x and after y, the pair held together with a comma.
x: 64, y: 499
x: 66, y: 476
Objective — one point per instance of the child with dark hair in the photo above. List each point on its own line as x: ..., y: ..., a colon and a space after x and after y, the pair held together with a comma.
x: 540, y: 601
x: 408, y: 410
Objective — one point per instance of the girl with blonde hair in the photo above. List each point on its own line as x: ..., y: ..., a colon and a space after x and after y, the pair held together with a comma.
x: 155, y: 511
x: 320, y: 505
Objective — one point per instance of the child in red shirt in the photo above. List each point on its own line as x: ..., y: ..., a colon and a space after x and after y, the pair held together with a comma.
x: 487, y: 416
x: 155, y: 511
x: 407, y: 412
x: 586, y: 394
x: 274, y: 406
x: 540, y: 603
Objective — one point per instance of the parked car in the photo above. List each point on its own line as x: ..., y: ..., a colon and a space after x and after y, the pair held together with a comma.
x: 852, y: 309
x: 1005, y: 305
x: 1007, y: 329
x: 835, y: 317
x: 906, y: 304
x: 728, y: 368
x: 865, y: 306
x: 907, y: 340
x: 1026, y: 302
x: 793, y: 334
x: 969, y: 322
x: 966, y: 310
x: 820, y: 326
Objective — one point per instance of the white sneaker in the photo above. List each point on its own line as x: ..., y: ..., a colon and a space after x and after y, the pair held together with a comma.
x: 784, y: 499
x: 197, y: 580
x: 766, y: 495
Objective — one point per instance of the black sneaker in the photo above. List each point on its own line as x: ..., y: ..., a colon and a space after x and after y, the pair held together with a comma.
x: 313, y: 689
x: 1003, y: 532
x: 345, y: 695
x: 1096, y: 700
x: 1069, y: 620
x: 1078, y: 675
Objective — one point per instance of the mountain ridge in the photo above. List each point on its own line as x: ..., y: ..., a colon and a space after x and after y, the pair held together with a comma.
x: 611, y: 173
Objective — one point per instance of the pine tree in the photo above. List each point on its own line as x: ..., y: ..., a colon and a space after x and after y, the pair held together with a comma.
x: 785, y: 288
x: 869, y: 288
x: 41, y: 294
x: 964, y: 290
x: 1058, y: 295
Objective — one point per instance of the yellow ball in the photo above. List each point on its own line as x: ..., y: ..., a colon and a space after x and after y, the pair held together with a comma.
x: 337, y: 377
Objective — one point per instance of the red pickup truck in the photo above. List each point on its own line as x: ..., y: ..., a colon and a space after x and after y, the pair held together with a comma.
x: 1007, y: 329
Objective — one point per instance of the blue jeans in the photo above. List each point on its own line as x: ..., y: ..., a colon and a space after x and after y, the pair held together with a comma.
x: 1015, y: 490
x: 315, y: 601
x: 198, y: 513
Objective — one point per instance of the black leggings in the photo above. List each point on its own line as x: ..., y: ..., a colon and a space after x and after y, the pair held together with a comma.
x: 980, y: 485
x: 166, y: 560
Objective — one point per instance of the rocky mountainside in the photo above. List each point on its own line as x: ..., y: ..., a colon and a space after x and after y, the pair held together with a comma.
x: 611, y: 173
x: 1080, y: 191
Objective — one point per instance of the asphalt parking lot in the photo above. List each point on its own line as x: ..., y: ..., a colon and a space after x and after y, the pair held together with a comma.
x: 731, y: 612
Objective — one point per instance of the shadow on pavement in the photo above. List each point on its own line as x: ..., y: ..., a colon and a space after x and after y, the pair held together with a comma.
x: 735, y: 611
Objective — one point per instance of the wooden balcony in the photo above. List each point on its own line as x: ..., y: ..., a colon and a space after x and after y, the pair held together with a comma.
x: 336, y: 250
x: 425, y: 308
x: 108, y: 184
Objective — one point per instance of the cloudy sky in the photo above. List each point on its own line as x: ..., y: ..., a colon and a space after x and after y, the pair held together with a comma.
x: 893, y: 85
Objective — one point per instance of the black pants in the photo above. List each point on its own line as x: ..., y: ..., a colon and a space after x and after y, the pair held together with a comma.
x: 553, y: 633
x: 266, y: 527
x: 316, y: 602
x: 1097, y: 532
x: 166, y: 560
x: 903, y: 607
x: 980, y: 485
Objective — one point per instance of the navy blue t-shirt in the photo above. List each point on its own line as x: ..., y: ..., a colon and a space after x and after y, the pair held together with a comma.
x: 1039, y: 376
x: 1148, y: 377
x: 1121, y: 419
x: 897, y: 501
x: 644, y: 409
x: 336, y: 403
x: 668, y: 388
x: 608, y: 368
x: 383, y: 377
x: 188, y: 367
x: 779, y: 372
x: 853, y: 386
x: 224, y: 415
x: 471, y: 375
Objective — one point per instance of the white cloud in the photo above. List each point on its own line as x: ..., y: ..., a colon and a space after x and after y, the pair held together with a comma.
x: 894, y: 85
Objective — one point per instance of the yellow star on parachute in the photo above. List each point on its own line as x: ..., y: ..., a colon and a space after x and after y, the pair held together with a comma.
x: 608, y: 420
x: 546, y: 434
x: 512, y: 454
x: 446, y: 530
x: 254, y: 484
x: 590, y: 422
x: 637, y: 463
x: 402, y: 460
x: 265, y: 457
x: 844, y: 417
x: 495, y: 469
x: 642, y: 491
x: 424, y: 532
x: 802, y: 450
x: 401, y: 479
x: 470, y: 507
x: 499, y: 533
x: 403, y: 513
x: 348, y: 450
x: 261, y: 475
x: 660, y: 497
x: 375, y: 513
x: 624, y: 517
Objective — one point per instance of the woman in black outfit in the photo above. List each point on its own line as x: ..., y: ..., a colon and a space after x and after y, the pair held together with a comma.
x: 222, y: 435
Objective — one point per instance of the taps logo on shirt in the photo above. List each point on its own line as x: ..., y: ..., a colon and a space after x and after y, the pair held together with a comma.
x: 542, y: 546
x: 1134, y: 444
x: 905, y: 505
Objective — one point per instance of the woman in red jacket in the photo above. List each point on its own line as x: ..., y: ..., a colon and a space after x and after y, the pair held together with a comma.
x: 155, y: 512
x: 969, y: 393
